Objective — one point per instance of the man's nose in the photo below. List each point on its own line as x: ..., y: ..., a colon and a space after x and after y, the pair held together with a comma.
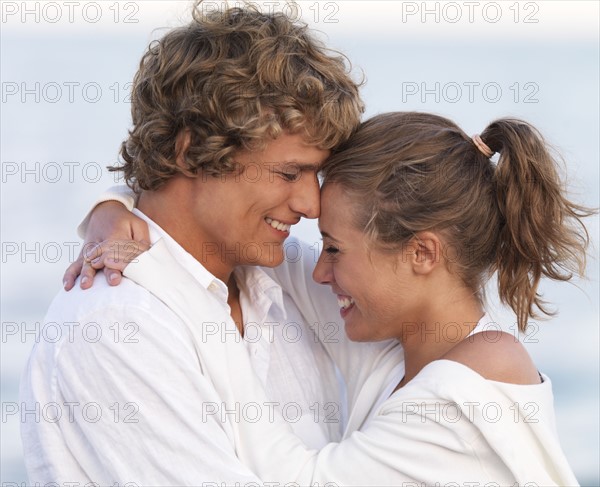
x: 306, y: 198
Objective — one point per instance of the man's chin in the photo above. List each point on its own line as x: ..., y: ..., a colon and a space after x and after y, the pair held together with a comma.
x: 274, y: 262
x: 272, y: 256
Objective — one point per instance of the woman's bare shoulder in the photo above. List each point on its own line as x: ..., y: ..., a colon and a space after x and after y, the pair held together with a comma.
x: 499, y: 357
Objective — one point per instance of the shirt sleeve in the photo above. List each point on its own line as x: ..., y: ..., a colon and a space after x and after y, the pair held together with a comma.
x: 415, y: 444
x: 437, y: 430
x: 121, y: 193
x: 145, y: 413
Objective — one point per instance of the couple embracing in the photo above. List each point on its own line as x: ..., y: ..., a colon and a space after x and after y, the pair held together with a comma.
x: 246, y: 369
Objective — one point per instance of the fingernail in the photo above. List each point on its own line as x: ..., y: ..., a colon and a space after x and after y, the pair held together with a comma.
x: 113, y: 277
x: 84, y: 280
x: 65, y: 284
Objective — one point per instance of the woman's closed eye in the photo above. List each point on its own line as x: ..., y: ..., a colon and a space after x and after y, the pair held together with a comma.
x: 330, y: 249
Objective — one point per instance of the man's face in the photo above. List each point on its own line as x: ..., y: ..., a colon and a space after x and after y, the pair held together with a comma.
x: 244, y: 217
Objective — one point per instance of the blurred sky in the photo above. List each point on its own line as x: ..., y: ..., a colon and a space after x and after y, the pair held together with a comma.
x: 65, y: 70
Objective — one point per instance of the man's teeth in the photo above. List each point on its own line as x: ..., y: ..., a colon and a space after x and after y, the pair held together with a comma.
x: 345, y: 303
x: 284, y: 227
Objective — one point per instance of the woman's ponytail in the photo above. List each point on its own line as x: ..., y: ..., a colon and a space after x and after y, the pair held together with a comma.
x: 542, y: 233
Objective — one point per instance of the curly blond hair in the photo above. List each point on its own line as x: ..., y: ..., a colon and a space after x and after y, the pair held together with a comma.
x: 233, y: 80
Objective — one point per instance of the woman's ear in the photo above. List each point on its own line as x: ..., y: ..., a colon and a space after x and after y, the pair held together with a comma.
x: 425, y: 252
x: 182, y: 144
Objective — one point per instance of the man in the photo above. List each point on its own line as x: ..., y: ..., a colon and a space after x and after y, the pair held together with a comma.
x: 233, y: 116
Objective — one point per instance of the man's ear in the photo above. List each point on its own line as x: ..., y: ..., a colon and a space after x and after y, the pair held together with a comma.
x: 182, y: 144
x: 426, y: 252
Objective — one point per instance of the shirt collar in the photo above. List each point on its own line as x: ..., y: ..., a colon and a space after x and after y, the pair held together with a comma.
x: 257, y: 284
x: 193, y: 266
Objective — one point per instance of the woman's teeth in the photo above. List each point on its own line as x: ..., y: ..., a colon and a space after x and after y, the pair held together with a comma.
x: 345, y: 303
x: 283, y: 227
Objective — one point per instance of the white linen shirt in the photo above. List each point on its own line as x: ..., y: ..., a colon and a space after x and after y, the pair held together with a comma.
x: 447, y: 426
x: 122, y: 395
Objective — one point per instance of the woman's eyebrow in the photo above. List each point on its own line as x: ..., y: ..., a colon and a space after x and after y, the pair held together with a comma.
x: 326, y: 235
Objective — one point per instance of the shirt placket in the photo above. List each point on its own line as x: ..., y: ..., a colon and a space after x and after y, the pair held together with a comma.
x: 260, y: 349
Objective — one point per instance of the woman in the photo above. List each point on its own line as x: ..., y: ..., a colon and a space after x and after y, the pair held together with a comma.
x: 415, y: 219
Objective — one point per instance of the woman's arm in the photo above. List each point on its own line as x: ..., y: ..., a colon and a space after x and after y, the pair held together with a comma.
x: 107, y: 229
x: 416, y: 441
x: 437, y: 430
x: 121, y: 193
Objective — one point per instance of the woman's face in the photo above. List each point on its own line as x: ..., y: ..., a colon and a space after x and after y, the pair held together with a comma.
x: 377, y: 290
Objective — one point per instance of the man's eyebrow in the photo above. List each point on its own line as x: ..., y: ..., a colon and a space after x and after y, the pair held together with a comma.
x: 302, y: 166
x: 298, y: 166
x: 306, y: 166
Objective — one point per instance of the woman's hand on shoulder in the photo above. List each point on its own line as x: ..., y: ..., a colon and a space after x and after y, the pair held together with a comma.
x: 496, y: 356
x: 113, y: 238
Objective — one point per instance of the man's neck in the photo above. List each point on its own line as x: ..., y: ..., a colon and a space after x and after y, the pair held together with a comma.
x: 168, y: 212
x: 233, y: 300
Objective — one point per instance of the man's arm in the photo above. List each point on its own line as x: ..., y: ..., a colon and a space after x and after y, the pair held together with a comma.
x: 158, y: 424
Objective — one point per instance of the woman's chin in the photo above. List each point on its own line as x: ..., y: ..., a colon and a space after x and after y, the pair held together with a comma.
x: 357, y: 332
